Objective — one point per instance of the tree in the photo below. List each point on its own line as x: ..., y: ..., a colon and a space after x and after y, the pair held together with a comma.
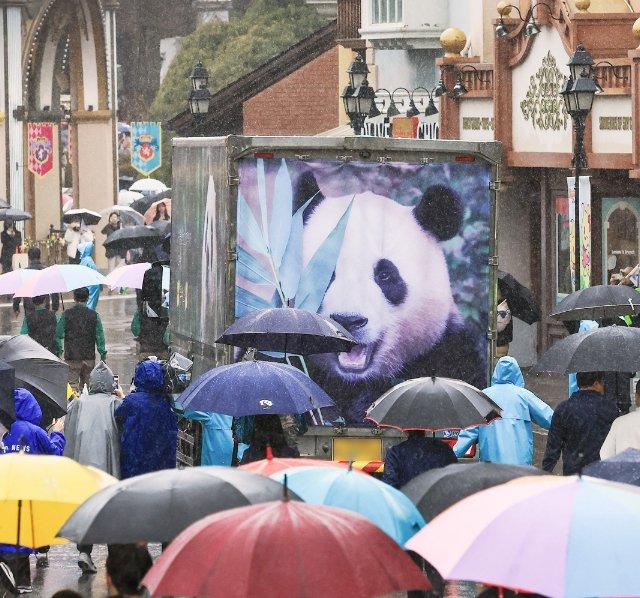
x: 230, y: 50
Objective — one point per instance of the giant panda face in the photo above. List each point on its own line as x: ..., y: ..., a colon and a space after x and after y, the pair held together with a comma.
x: 391, y: 287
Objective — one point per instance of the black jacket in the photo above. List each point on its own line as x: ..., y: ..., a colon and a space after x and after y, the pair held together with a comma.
x: 9, y: 245
x: 80, y: 333
x: 42, y: 327
x: 578, y: 429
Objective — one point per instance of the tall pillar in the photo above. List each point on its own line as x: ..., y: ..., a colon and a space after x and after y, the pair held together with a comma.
x: 111, y: 48
x: 4, y: 159
x: 14, y: 99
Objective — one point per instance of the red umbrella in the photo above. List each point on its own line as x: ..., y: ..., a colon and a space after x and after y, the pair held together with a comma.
x: 272, y: 465
x: 283, y: 548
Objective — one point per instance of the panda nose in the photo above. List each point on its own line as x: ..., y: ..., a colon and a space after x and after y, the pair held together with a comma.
x: 350, y: 321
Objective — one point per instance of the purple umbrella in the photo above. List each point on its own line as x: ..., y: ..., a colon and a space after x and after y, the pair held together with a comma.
x: 254, y: 388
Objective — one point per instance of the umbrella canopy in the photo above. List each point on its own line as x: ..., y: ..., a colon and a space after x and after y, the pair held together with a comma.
x: 254, y: 388
x: 126, y: 197
x: 128, y: 216
x: 60, y: 278
x: 520, y: 299
x: 148, y: 186
x: 355, y: 491
x: 283, y: 548
x: 4, y: 204
x: 610, y: 349
x: 548, y: 535
x: 133, y: 237
x: 87, y: 216
x: 130, y: 276
x: 38, y: 493
x: 436, y: 490
x: 289, y: 330
x: 39, y: 371
x: 66, y: 201
x: 433, y: 404
x: 10, y: 281
x: 14, y: 215
x: 150, y: 214
x: 7, y: 384
x: 624, y: 467
x: 598, y: 302
x: 271, y: 464
x: 171, y: 500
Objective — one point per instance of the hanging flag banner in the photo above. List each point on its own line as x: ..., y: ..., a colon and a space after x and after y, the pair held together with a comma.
x: 40, y: 147
x: 146, y: 147
x: 585, y: 230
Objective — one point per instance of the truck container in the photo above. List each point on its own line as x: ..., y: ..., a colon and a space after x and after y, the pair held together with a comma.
x: 392, y: 238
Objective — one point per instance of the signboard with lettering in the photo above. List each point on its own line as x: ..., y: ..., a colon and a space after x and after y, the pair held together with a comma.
x: 405, y: 127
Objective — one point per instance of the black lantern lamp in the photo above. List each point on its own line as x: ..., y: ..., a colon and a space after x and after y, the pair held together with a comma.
x: 459, y: 89
x: 358, y: 70
x: 531, y: 28
x: 413, y: 109
x: 581, y: 63
x: 431, y: 109
x: 440, y: 89
x: 375, y: 111
x: 501, y: 30
x: 358, y: 103
x: 393, y: 109
x: 199, y: 77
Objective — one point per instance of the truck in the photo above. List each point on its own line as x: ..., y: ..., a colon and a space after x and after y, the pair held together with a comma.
x: 395, y: 239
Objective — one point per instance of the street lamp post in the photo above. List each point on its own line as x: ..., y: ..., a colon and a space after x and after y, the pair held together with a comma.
x: 578, y: 93
x: 200, y: 96
x: 358, y: 97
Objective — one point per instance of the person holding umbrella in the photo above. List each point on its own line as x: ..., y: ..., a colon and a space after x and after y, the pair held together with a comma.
x: 149, y: 426
x: 11, y: 239
x: 113, y: 256
x: 508, y: 440
x: 580, y: 426
x: 267, y: 435
x: 40, y: 323
x: 73, y: 236
x: 51, y: 301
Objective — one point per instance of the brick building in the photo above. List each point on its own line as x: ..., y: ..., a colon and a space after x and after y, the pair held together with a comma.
x: 294, y: 93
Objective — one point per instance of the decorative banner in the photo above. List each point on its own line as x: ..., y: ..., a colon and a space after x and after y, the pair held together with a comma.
x: 585, y: 230
x: 146, y: 151
x: 40, y: 139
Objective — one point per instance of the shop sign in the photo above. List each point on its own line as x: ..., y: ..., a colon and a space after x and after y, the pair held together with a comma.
x: 477, y: 123
x: 615, y: 123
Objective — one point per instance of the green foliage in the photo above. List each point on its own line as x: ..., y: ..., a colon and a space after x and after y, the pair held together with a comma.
x: 230, y: 50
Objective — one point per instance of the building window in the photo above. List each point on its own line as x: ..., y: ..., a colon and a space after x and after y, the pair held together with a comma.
x: 387, y: 11
x: 563, y: 257
x: 621, y: 237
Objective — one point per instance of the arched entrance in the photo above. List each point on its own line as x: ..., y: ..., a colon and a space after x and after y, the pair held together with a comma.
x: 68, y: 67
x: 621, y: 236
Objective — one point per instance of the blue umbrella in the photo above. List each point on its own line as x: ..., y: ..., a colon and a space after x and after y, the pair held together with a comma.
x: 383, y: 505
x: 624, y: 467
x: 288, y: 330
x: 254, y: 388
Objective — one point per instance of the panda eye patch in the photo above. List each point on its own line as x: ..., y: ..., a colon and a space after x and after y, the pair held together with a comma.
x: 388, y: 278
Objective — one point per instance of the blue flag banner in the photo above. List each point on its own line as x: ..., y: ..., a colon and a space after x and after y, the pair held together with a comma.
x: 146, y: 147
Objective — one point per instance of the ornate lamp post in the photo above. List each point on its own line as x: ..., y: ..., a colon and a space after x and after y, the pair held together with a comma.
x: 578, y: 93
x: 358, y: 97
x: 200, y: 96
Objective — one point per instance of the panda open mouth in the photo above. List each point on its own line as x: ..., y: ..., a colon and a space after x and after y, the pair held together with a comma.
x: 358, y: 359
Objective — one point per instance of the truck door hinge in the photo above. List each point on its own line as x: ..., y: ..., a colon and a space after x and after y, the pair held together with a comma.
x: 232, y: 181
x: 232, y: 255
x: 495, y: 185
x: 493, y: 260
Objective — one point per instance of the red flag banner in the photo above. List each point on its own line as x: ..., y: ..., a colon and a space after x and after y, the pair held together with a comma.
x: 40, y: 140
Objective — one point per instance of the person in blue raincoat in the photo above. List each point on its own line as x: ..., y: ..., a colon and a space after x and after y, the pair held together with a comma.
x: 217, y: 439
x: 508, y: 440
x: 85, y: 250
x: 27, y: 436
x: 149, y: 427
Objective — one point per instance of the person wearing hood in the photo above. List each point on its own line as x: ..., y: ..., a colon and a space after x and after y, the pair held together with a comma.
x: 26, y: 435
x: 86, y: 259
x: 149, y: 429
x: 508, y: 440
x: 92, y: 435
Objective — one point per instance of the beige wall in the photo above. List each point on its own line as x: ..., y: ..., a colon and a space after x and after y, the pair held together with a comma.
x: 3, y: 161
x: 95, y: 171
x: 47, y: 194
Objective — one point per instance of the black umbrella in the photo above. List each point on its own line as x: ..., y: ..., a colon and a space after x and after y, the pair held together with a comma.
x: 87, y: 216
x: 520, y: 299
x: 436, y: 490
x: 162, y: 226
x: 4, y: 204
x: 7, y: 384
x: 433, y: 404
x: 624, y: 467
x: 598, y: 302
x: 289, y: 330
x: 610, y: 349
x: 156, y: 507
x: 133, y: 237
x: 14, y: 215
x: 39, y: 371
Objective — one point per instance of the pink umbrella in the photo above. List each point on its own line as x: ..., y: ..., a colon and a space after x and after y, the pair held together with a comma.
x: 149, y: 215
x: 59, y: 279
x: 11, y: 281
x: 130, y: 276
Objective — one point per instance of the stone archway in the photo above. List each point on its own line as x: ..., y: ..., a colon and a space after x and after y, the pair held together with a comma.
x: 68, y: 79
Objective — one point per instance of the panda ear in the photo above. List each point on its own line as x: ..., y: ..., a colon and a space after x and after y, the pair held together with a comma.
x: 306, y: 188
x: 440, y: 212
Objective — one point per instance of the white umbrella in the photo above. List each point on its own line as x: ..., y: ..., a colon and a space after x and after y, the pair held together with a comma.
x: 125, y: 212
x: 87, y: 216
x: 126, y: 197
x: 59, y: 279
x: 147, y: 186
x: 11, y: 281
x: 130, y: 276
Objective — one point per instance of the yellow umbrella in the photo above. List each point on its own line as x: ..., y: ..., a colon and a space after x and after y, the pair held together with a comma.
x: 39, y: 493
